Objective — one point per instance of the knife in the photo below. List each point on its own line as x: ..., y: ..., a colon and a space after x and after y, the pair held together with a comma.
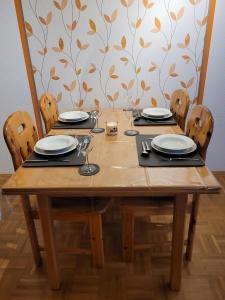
x: 180, y: 158
x: 46, y: 160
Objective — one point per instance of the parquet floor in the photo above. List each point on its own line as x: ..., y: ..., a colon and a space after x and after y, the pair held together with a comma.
x: 145, y: 278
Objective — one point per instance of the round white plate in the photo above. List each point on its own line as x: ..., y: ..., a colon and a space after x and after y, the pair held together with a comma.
x: 156, y: 118
x: 173, y: 143
x: 156, y: 112
x: 73, y: 116
x: 173, y: 152
x: 56, y: 152
x: 72, y: 121
x: 52, y: 144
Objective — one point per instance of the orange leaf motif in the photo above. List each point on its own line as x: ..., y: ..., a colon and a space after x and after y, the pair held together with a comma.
x: 123, y: 42
x: 124, y: 86
x: 79, y: 44
x: 72, y: 26
x: 136, y: 102
x: 97, y: 103
x: 153, y: 67
x: 127, y: 3
x: 112, y: 70
x: 167, y: 96
x: 107, y: 18
x: 131, y: 84
x: 104, y: 50
x: 190, y: 82
x: 64, y: 61
x: 157, y: 24
x: 125, y: 60
x: 86, y: 88
x: 55, y: 77
x: 187, y: 40
x: 138, y: 70
x: 114, y: 15
x: 92, y: 25
x: 61, y: 44
x: 59, y: 97
x: 29, y: 29
x: 195, y: 2
x: 183, y: 84
x: 52, y: 72
x: 92, y: 69
x: 147, y: 5
x: 153, y: 102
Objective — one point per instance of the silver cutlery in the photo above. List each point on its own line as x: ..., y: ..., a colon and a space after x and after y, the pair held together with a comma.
x: 179, y: 158
x: 147, y: 146
x: 144, y: 150
x: 46, y: 160
x: 79, y: 147
x: 137, y: 115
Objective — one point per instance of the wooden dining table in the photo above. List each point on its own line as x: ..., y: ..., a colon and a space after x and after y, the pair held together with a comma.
x: 120, y: 176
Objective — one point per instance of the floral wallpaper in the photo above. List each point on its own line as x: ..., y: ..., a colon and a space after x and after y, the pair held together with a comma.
x: 91, y: 53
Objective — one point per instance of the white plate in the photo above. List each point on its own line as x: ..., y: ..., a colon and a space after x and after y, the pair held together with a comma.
x: 52, y: 144
x: 73, y: 116
x: 173, y: 152
x: 156, y: 112
x: 72, y: 121
x: 156, y: 118
x: 173, y: 143
x: 56, y: 152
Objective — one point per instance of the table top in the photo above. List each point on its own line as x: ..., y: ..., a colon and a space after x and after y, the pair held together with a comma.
x: 120, y: 173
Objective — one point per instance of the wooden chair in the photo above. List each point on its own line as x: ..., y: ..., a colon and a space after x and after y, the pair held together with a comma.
x: 49, y: 111
x: 199, y: 128
x: 179, y: 106
x: 21, y: 135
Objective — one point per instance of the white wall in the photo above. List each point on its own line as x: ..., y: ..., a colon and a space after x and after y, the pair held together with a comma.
x: 14, y: 89
x: 215, y: 90
x: 15, y: 95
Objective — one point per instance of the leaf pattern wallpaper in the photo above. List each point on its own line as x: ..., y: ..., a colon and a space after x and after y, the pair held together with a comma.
x: 91, y: 53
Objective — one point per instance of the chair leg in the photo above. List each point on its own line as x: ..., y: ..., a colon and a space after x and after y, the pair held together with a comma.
x: 95, y: 223
x: 128, y: 236
x: 192, y: 227
x: 31, y: 230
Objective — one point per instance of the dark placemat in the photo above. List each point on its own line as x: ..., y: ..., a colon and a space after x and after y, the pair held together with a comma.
x: 86, y: 124
x: 57, y: 161
x: 158, y: 159
x: 141, y: 121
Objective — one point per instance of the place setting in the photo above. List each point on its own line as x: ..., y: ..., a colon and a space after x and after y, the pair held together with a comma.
x: 58, y: 150
x: 153, y: 116
x: 167, y: 150
x: 77, y: 120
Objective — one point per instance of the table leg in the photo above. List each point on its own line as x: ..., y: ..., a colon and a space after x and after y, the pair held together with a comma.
x: 49, y: 241
x: 31, y: 230
x: 179, y: 214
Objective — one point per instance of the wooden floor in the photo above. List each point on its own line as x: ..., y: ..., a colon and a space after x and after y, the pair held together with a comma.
x: 145, y: 278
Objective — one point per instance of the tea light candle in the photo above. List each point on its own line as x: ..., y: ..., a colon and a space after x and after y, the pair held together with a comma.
x: 111, y: 128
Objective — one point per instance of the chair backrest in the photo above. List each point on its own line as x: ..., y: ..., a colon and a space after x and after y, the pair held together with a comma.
x: 49, y: 111
x: 179, y: 106
x: 200, y: 127
x: 20, y: 135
